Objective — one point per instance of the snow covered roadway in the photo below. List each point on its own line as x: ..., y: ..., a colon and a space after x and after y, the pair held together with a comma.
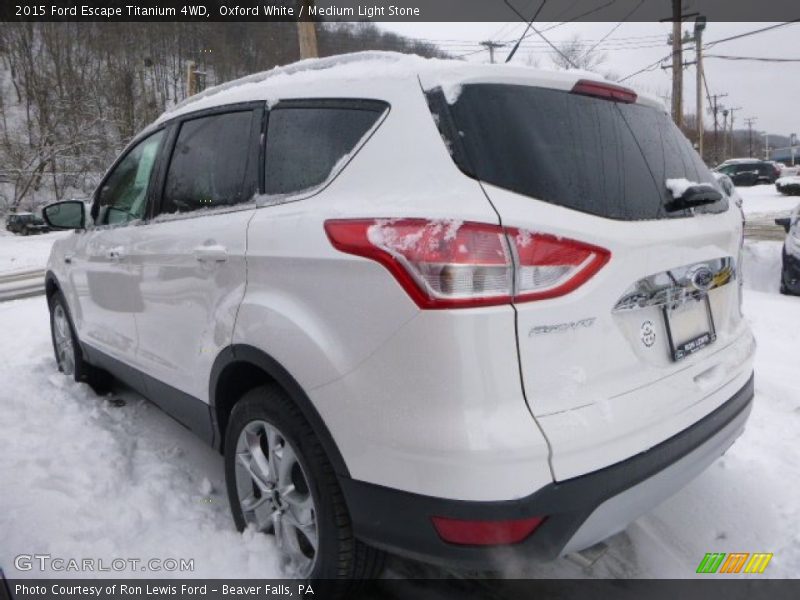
x: 113, y: 477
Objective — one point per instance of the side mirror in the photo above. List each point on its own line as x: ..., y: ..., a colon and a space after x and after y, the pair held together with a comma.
x: 786, y: 223
x: 70, y: 214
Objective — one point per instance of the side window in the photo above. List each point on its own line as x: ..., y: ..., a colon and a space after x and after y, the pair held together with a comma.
x: 209, y: 166
x: 306, y: 144
x: 123, y: 197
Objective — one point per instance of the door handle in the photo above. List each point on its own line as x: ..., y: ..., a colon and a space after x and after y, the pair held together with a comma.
x: 211, y: 253
x: 117, y: 253
x: 68, y: 258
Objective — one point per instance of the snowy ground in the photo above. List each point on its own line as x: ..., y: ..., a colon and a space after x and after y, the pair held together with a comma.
x: 763, y: 199
x: 103, y: 477
x: 22, y: 253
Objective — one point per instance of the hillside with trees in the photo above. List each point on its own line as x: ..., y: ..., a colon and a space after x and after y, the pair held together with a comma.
x: 73, y: 94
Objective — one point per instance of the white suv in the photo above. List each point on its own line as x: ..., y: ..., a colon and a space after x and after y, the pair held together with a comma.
x: 421, y: 306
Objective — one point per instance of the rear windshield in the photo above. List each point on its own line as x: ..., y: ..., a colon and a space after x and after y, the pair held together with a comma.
x: 597, y: 156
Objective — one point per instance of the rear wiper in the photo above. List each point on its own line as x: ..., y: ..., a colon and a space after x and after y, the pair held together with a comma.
x: 695, y: 195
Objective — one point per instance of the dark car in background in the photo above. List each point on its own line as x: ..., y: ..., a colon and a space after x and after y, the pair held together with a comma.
x: 747, y: 172
x: 790, y: 271
x: 26, y: 224
x: 788, y: 186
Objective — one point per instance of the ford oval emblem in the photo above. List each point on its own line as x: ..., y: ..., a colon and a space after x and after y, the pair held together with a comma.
x: 702, y: 278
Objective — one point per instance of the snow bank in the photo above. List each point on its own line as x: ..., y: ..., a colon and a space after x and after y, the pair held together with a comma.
x: 761, y: 266
x: 766, y: 199
x: 24, y: 253
x: 82, y: 477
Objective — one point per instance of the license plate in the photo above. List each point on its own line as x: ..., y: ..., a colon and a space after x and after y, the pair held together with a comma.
x: 690, y: 327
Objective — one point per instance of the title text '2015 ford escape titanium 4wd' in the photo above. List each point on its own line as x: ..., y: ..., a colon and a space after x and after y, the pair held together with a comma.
x: 420, y: 306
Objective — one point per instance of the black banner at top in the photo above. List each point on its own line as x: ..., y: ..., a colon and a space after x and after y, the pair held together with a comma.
x: 394, y: 10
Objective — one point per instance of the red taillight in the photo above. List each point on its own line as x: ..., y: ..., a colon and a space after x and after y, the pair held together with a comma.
x: 485, y: 533
x: 608, y: 91
x: 549, y: 266
x: 450, y: 264
x: 441, y: 264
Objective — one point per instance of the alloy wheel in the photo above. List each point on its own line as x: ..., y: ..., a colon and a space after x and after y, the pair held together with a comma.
x: 62, y: 334
x: 275, y: 496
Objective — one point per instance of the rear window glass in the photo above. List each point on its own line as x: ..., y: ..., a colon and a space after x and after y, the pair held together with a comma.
x: 605, y: 158
x: 305, y: 145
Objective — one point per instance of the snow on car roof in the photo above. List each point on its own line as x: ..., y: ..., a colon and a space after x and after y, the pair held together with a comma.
x: 737, y: 161
x: 316, y: 77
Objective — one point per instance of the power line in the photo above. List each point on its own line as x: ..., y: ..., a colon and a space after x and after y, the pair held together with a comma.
x: 530, y: 25
x: 755, y: 58
x: 580, y: 16
x: 710, y: 44
x: 748, y: 33
x: 613, y: 29
x: 541, y: 35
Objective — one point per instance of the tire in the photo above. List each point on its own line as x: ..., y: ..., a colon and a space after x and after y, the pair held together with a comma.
x: 784, y: 289
x: 262, y: 425
x: 67, y: 349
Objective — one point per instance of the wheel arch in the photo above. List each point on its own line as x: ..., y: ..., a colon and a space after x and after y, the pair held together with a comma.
x: 51, y: 285
x: 241, y: 367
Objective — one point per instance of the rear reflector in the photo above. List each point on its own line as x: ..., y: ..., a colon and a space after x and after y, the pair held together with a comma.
x: 452, y: 264
x: 485, y: 533
x: 608, y: 91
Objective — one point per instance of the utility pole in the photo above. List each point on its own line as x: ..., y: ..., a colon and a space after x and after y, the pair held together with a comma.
x: 307, y: 33
x: 766, y: 149
x: 750, y: 121
x: 715, y: 108
x: 730, y: 133
x: 191, y: 78
x: 491, y: 47
x: 699, y: 26
x: 677, y: 64
x: 725, y: 133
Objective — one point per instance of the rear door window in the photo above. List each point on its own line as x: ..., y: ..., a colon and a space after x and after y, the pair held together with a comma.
x: 214, y: 163
x: 606, y: 158
x: 308, y: 143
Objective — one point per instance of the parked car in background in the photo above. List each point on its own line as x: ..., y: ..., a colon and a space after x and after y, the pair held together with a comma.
x: 788, y: 185
x: 790, y: 271
x: 385, y: 305
x: 26, y: 223
x: 748, y: 172
x: 727, y: 185
x: 790, y: 171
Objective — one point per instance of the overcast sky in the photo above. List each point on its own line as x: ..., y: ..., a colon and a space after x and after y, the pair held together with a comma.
x: 768, y: 91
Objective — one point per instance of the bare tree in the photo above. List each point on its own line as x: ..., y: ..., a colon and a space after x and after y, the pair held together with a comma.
x: 577, y: 54
x: 73, y: 94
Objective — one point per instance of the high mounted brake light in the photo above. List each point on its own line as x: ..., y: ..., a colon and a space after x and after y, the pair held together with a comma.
x: 607, y: 91
x: 451, y: 264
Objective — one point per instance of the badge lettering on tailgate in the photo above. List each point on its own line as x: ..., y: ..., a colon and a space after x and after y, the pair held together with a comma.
x: 560, y: 327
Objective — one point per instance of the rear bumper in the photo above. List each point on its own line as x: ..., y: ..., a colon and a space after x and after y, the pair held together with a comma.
x: 580, y: 511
